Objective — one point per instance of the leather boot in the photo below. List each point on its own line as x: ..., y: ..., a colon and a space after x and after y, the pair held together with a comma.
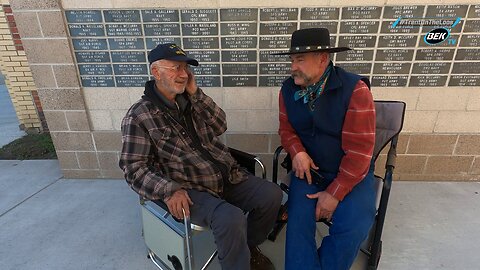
x: 258, y: 261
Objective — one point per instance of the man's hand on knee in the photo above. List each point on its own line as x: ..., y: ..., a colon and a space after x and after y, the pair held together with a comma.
x: 178, y: 201
x: 326, y: 204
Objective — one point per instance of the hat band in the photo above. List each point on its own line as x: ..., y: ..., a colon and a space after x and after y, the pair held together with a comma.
x: 308, y: 48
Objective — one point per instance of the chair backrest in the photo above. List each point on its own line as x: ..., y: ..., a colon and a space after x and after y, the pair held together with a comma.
x: 389, y: 123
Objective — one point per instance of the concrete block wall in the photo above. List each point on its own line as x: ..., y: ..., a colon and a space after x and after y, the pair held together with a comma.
x: 82, y: 151
x: 18, y: 75
x: 440, y: 140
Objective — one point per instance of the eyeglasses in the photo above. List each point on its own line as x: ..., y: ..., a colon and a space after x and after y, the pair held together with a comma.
x: 176, y: 68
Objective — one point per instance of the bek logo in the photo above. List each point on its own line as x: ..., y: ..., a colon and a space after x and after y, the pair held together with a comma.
x: 436, y: 36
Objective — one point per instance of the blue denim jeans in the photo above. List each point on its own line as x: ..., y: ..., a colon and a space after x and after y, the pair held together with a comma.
x: 352, y: 221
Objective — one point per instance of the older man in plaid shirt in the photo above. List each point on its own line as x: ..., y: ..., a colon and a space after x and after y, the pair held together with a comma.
x: 171, y: 152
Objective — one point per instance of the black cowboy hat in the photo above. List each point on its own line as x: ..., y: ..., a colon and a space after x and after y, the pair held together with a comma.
x: 311, y: 40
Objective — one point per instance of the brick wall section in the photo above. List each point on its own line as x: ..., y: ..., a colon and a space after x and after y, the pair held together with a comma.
x: 18, y: 76
x: 82, y: 153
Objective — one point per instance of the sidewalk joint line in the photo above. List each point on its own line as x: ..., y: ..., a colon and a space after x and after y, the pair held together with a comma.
x: 15, y: 206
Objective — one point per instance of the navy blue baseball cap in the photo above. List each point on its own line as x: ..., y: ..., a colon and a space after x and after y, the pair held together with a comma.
x: 170, y: 51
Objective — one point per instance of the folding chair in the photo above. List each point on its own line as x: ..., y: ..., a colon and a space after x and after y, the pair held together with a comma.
x: 172, y: 243
x: 389, y: 123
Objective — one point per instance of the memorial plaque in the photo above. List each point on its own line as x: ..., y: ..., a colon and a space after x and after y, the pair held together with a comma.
x: 389, y: 81
x: 472, y: 26
x: 452, y: 41
x: 394, y: 12
x: 391, y: 68
x: 278, y: 14
x: 239, y: 56
x: 474, y: 12
x: 95, y: 69
x: 86, y: 30
x: 275, y: 69
x: 464, y: 80
x: 160, y: 15
x: 446, y: 11
x: 207, y: 69
x: 434, y: 54
x: 128, y: 56
x: 387, y: 29
x: 266, y: 56
x: 357, y: 68
x: 355, y: 55
x: 394, y: 55
x: 431, y: 68
x: 239, y: 81
x: 153, y: 42
x: 330, y: 25
x: 97, y: 81
x: 126, y: 43
x: 357, y: 41
x: 121, y: 29
x: 239, y: 69
x: 319, y: 13
x: 199, y: 15
x: 271, y: 81
x: 427, y: 81
x: 130, y: 69
x: 122, y: 16
x: 83, y: 16
x: 278, y: 28
x: 111, y: 45
x: 239, y: 42
x: 397, y: 41
x: 92, y: 57
x: 351, y: 13
x: 468, y: 54
x: 208, y: 81
x: 274, y: 42
x: 238, y: 14
x: 200, y: 43
x: 470, y: 40
x: 205, y: 56
x: 466, y: 68
x: 200, y: 29
x: 89, y: 44
x: 131, y: 81
x: 238, y: 28
x: 162, y: 29
x: 359, y: 27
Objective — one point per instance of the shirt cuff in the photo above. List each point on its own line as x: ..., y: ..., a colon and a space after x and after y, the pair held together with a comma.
x: 337, y: 190
x: 169, y: 189
x: 295, y: 148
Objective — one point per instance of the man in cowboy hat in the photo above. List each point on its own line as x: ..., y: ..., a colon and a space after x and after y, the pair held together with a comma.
x: 327, y: 125
x: 171, y: 152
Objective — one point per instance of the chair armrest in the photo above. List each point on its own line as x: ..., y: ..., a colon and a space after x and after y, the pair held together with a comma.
x: 248, y: 161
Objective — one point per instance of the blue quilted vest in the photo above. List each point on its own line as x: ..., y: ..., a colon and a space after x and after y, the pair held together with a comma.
x: 321, y: 130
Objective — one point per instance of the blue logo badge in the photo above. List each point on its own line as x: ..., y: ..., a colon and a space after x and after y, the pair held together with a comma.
x: 436, y: 36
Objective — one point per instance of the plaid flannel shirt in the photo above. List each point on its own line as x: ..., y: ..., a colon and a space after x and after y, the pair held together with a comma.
x: 158, y: 156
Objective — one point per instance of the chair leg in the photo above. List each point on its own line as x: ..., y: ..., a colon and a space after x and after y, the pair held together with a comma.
x: 210, y: 260
x: 374, y: 258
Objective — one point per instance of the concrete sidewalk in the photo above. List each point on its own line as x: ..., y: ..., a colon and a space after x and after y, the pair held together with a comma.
x: 51, y: 223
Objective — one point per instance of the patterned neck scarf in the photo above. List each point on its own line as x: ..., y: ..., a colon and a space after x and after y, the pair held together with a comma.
x: 312, y: 92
